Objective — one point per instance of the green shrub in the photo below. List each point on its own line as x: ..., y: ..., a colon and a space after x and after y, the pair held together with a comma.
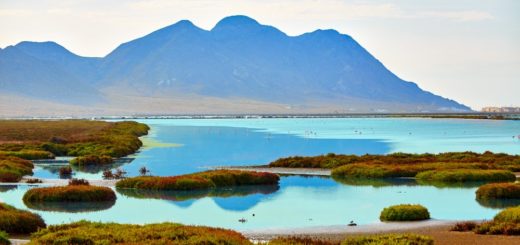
x: 71, y: 193
x: 499, y: 191
x: 17, y: 221
x: 12, y: 169
x: 373, y: 171
x: 466, y: 175
x: 84, y: 232
x: 389, y: 239
x: 30, y: 154
x: 200, y: 181
x: 498, y: 228
x: 509, y: 215
x: 464, y: 226
x: 70, y: 137
x: 300, y: 241
x: 91, y: 160
x: 404, y: 212
x: 4, y: 238
x: 486, y: 160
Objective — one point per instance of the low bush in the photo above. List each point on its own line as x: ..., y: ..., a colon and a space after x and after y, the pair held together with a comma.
x: 33, y: 181
x: 78, y: 182
x: 17, y: 221
x: 91, y: 160
x: 300, y: 241
x: 499, y: 191
x: 65, y: 171
x: 4, y: 238
x: 498, y: 228
x: 404, y: 212
x: 30, y: 154
x: 373, y: 171
x: 466, y: 175
x: 509, y: 215
x: 12, y: 169
x: 84, y: 232
x: 71, y: 193
x: 506, y: 222
x: 389, y: 239
x: 487, y: 160
x: 200, y: 181
x: 464, y: 226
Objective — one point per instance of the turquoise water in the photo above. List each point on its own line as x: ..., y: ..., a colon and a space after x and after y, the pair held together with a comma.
x: 298, y: 201
x: 216, y: 142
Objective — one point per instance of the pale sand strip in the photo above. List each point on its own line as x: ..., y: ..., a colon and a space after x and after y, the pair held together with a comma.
x: 388, y: 227
x: 61, y: 182
x: 292, y: 171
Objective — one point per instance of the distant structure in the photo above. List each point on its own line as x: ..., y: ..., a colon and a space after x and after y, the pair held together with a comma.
x: 502, y: 109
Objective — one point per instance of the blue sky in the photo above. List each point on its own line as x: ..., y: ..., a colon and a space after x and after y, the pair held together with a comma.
x: 467, y: 50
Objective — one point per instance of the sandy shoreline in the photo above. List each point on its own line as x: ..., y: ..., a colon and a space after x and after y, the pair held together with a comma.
x: 275, y: 170
x: 380, y: 227
x: 60, y: 182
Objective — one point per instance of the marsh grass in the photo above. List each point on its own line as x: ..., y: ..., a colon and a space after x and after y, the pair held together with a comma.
x: 200, y: 181
x: 300, y: 241
x: 404, y: 212
x: 506, y: 222
x: 85, y: 232
x: 473, y: 160
x: 71, y: 193
x: 466, y: 175
x: 499, y: 191
x: 36, y: 139
x: 15, y: 221
x: 389, y: 239
x: 464, y: 226
x: 4, y: 238
x: 12, y: 169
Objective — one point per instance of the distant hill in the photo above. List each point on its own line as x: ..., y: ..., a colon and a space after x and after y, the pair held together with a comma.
x: 238, y: 66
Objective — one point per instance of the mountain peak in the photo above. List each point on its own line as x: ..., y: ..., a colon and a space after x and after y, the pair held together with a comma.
x: 236, y: 21
x: 47, y: 44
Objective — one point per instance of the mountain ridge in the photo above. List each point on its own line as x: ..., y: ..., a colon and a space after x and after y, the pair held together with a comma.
x: 238, y: 58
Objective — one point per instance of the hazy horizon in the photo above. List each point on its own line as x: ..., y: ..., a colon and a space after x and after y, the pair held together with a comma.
x: 464, y: 50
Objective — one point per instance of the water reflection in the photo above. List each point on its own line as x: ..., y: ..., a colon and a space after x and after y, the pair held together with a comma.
x: 240, y: 191
x: 498, y: 203
x: 377, y: 182
x: 70, y: 207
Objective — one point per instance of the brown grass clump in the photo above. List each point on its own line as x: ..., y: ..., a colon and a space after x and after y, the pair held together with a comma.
x: 200, y: 181
x: 84, y: 232
x: 71, y: 193
x: 15, y: 221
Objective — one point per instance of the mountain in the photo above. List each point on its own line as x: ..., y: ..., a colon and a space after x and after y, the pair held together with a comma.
x: 45, y: 71
x: 235, y: 66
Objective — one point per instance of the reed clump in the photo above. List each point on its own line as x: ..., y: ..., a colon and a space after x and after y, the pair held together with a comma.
x: 499, y: 191
x: 85, y: 232
x: 12, y: 169
x: 15, y: 221
x: 404, y: 212
x: 70, y: 193
x: 199, y: 181
x: 466, y: 175
x: 390, y: 239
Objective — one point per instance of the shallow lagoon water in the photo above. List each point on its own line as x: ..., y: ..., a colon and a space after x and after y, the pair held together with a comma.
x: 202, y: 143
x: 192, y: 145
x: 299, y: 202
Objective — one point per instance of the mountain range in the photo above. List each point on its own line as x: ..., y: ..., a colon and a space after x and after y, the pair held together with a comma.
x: 239, y: 66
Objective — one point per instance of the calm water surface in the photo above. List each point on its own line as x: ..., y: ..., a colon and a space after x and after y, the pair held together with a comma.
x: 178, y: 146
